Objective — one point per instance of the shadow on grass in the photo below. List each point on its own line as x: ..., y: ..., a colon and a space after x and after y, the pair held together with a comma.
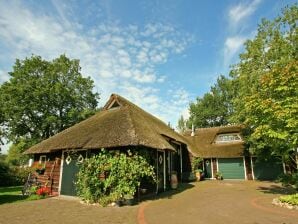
x: 277, y: 189
x: 11, y: 195
x: 6, y: 198
x: 6, y: 190
x: 168, y: 194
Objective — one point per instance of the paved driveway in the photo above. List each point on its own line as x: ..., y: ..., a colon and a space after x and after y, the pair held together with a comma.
x: 204, y: 202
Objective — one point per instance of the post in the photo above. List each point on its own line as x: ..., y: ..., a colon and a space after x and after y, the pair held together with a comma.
x: 252, y: 168
x: 164, y: 171
x: 181, y: 170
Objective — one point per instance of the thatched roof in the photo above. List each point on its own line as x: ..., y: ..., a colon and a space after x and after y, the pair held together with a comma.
x: 203, y: 142
x: 120, y: 123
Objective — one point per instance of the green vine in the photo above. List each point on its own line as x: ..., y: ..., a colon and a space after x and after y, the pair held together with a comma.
x: 111, y: 176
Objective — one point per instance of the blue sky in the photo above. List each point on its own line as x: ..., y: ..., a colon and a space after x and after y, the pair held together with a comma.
x: 159, y: 54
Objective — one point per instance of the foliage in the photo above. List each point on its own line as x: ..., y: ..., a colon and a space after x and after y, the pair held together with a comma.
x: 267, y: 83
x: 12, y: 175
x: 182, y: 124
x: 15, y: 156
x: 43, y: 97
x: 290, y: 179
x: 290, y: 199
x: 196, y: 163
x: 218, y: 176
x: 214, y: 108
x: 111, y: 176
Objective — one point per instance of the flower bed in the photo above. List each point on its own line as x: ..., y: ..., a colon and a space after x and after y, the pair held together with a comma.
x: 288, y: 201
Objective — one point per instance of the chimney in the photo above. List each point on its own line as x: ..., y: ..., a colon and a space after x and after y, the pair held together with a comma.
x: 192, y: 130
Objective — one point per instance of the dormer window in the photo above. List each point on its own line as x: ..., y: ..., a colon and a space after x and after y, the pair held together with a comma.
x: 226, y: 138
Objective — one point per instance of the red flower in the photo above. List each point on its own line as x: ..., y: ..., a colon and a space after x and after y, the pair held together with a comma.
x: 43, y: 191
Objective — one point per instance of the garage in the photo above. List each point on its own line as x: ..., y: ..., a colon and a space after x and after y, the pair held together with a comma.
x: 267, y: 169
x: 231, y: 168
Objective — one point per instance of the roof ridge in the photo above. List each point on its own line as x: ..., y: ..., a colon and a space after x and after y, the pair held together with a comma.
x: 223, y: 126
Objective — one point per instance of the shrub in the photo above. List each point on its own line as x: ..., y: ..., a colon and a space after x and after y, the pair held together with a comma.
x: 290, y: 180
x: 290, y: 199
x: 111, y: 176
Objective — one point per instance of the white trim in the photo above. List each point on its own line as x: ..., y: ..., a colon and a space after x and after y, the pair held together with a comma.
x: 284, y: 167
x: 244, y: 164
x: 61, y: 172
x: 217, y: 165
x: 252, y: 168
x: 41, y: 161
x: 211, y: 163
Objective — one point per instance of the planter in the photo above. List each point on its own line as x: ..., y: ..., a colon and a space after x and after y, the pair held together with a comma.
x: 198, y: 175
x: 130, y: 201
x: 40, y: 171
x: 174, y: 180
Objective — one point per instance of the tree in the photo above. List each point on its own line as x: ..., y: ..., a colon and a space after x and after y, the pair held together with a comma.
x: 15, y: 157
x: 214, y: 108
x: 42, y: 98
x: 267, y: 83
x: 181, y: 124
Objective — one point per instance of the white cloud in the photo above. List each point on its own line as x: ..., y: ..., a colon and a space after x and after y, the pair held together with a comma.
x: 231, y: 48
x: 3, y: 76
x: 121, y: 59
x: 241, y: 11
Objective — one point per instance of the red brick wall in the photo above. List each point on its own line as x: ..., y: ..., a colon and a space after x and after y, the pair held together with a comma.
x: 214, y: 166
x: 48, y: 178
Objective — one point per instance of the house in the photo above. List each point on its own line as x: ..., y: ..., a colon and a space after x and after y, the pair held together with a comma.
x: 121, y: 125
x: 223, y: 150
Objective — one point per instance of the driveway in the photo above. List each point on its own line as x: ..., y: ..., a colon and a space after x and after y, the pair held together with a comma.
x: 202, y: 202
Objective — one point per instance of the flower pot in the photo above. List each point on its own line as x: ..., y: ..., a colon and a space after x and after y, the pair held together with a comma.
x: 130, y: 201
x: 40, y: 171
x: 174, y: 180
x: 198, y: 175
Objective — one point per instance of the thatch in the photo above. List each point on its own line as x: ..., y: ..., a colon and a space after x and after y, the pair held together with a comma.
x: 203, y: 142
x: 114, y: 126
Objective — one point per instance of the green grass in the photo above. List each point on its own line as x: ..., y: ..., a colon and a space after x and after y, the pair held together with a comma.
x: 14, y: 194
x: 290, y: 199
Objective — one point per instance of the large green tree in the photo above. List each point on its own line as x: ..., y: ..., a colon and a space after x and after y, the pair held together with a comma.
x: 42, y: 98
x: 266, y: 80
x: 214, y: 108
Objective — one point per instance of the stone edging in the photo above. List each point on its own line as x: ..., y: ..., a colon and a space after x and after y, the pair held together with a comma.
x: 277, y: 202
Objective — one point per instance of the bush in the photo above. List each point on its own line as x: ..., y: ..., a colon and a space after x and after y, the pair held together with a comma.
x: 290, y: 199
x: 111, y: 176
x: 290, y: 180
x: 12, y: 175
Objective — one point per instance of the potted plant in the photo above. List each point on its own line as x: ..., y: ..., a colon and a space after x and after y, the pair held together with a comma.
x: 218, y: 176
x: 129, y: 199
x: 196, y: 163
x: 199, y: 173
x: 40, y: 169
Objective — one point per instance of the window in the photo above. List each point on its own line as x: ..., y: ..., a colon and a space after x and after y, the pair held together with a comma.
x: 42, y: 159
x: 223, y: 138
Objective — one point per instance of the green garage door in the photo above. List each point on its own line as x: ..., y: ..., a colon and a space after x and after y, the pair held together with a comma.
x: 267, y: 170
x: 231, y: 168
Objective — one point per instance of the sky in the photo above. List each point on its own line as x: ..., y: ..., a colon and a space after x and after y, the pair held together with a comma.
x: 160, y: 54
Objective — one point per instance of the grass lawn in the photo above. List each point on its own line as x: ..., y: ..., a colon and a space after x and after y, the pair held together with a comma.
x: 14, y: 194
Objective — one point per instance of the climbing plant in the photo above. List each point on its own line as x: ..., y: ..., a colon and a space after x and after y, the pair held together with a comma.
x: 112, y: 176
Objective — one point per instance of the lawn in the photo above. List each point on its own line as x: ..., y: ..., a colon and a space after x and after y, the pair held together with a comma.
x: 13, y: 194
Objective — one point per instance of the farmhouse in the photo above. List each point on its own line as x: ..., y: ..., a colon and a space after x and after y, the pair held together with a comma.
x: 121, y: 125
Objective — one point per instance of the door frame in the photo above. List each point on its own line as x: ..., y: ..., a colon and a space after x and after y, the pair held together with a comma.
x: 62, y: 164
